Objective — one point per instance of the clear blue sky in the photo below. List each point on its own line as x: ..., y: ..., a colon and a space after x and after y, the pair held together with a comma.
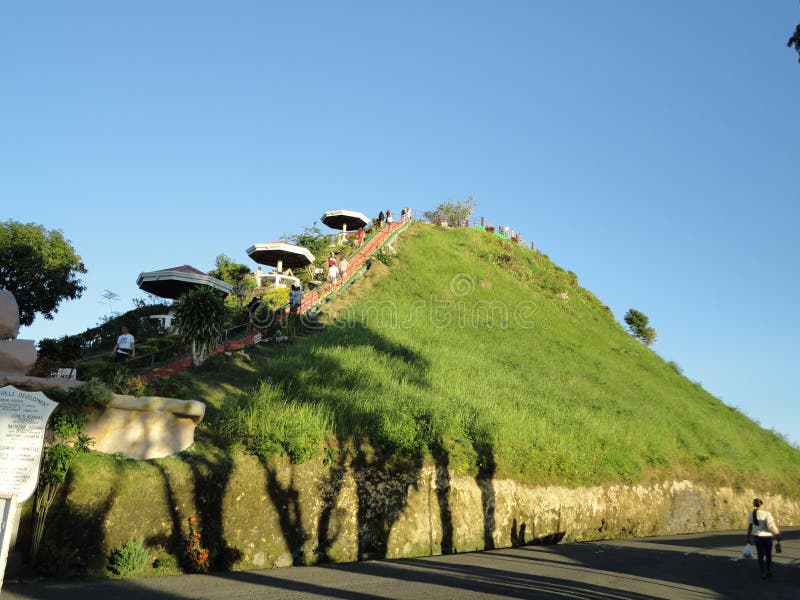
x: 651, y: 147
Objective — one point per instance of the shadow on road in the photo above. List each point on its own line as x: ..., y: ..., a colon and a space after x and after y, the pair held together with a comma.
x: 640, y: 569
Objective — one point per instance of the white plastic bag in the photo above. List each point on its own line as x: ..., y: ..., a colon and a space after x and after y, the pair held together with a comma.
x: 748, y: 551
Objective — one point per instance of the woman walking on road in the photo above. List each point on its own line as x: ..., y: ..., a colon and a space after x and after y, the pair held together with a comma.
x: 761, y: 525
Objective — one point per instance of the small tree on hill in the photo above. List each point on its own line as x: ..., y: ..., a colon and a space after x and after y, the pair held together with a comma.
x: 452, y: 211
x: 237, y: 274
x: 317, y: 243
x: 638, y: 323
x: 200, y: 314
x: 39, y: 267
x: 229, y: 271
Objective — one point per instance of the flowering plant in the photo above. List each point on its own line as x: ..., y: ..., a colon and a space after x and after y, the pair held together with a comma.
x: 196, y: 556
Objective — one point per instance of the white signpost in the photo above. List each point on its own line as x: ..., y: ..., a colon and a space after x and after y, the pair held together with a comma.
x: 23, y: 421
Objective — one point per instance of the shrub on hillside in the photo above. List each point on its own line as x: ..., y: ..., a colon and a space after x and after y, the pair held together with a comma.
x: 60, y: 561
x: 452, y: 212
x: 128, y: 559
x: 675, y: 367
x: 638, y: 323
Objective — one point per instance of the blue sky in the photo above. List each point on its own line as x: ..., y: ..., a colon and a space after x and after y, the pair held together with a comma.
x: 649, y: 147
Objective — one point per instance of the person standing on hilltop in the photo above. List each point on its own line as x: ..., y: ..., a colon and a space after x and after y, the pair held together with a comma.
x: 380, y: 220
x: 360, y: 237
x: 389, y: 219
x: 761, y: 526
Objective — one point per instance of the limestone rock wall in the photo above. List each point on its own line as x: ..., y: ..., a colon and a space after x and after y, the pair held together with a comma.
x: 278, y: 514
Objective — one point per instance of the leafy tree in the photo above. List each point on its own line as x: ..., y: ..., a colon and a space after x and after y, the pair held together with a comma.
x: 452, y: 211
x: 638, y: 323
x: 229, y: 271
x: 313, y: 239
x: 317, y: 243
x: 794, y: 42
x: 39, y: 267
x: 237, y: 274
x: 200, y: 314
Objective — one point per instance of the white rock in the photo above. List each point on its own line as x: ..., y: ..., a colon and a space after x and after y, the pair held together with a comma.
x: 146, y: 427
x: 17, y: 356
x: 9, y: 316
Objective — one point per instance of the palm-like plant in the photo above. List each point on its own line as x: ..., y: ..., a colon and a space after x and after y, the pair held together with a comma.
x: 200, y: 314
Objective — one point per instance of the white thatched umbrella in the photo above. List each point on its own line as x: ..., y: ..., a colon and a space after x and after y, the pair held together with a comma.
x: 345, y: 219
x: 280, y: 255
x: 173, y: 283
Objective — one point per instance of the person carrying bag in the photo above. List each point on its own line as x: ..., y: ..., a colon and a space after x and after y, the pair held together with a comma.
x: 761, y: 529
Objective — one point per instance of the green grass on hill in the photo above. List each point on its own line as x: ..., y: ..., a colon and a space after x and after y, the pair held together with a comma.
x: 488, y: 355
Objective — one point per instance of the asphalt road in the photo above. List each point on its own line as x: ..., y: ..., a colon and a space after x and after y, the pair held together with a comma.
x: 703, y: 566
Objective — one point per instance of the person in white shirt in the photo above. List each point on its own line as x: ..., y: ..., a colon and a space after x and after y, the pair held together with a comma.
x: 333, y: 274
x: 761, y: 527
x: 125, y: 347
x: 295, y: 299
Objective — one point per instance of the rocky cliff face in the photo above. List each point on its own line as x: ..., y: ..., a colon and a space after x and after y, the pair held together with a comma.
x: 257, y: 515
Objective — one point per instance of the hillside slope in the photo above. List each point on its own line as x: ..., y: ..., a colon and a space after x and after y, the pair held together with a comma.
x: 465, y: 392
x: 487, y: 355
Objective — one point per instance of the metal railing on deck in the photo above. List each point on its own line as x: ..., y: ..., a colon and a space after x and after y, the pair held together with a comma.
x: 482, y: 223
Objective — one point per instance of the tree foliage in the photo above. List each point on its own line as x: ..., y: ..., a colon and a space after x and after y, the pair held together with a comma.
x: 317, y: 243
x: 313, y: 239
x: 200, y: 314
x: 639, y: 325
x: 794, y: 42
x: 39, y: 267
x: 237, y: 274
x: 229, y: 271
x: 452, y: 211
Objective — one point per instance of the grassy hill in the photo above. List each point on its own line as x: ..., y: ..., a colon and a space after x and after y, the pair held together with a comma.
x: 462, y: 352
x: 488, y: 356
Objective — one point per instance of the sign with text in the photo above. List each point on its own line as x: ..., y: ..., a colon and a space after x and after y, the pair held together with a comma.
x: 23, y: 420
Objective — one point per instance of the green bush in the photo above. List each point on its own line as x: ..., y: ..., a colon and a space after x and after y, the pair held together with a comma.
x: 384, y: 257
x: 675, y: 367
x: 169, y: 387
x: 102, y: 369
x: 128, y: 559
x: 275, y: 298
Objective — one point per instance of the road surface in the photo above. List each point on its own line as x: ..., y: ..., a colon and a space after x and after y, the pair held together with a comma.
x: 701, y: 566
